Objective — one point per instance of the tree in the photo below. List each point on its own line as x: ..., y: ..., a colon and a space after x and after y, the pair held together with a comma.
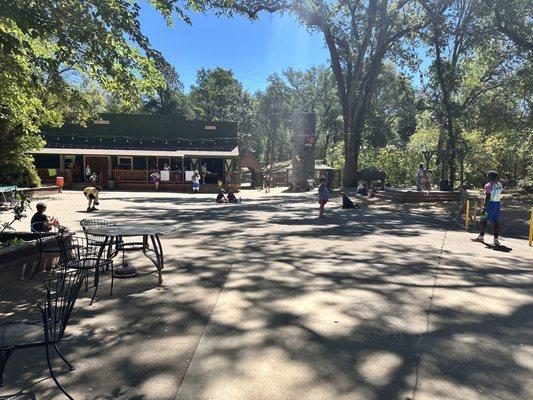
x: 168, y: 99
x: 513, y: 19
x: 358, y: 35
x: 459, y: 32
x: 315, y: 91
x: 274, y: 107
x: 392, y: 117
x: 47, y: 46
x: 218, y: 96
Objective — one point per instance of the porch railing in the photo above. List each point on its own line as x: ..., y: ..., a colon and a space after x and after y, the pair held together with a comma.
x: 131, y: 176
x: 50, y: 174
x: 142, y: 176
x: 120, y: 176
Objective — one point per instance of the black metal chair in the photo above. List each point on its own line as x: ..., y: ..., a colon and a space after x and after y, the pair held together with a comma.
x: 46, y: 243
x: 80, y: 254
x: 61, y: 294
x: 99, y: 240
x: 95, y: 223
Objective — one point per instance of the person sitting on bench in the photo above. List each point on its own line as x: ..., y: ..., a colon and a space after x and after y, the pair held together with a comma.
x: 221, y: 198
x: 40, y: 222
x: 347, y: 202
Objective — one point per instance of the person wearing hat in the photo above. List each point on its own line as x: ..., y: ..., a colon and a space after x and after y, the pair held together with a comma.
x: 221, y: 198
x: 91, y: 194
x: 40, y: 222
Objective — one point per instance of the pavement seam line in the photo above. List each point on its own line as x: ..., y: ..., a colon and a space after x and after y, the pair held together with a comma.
x: 203, y: 331
x: 428, y: 313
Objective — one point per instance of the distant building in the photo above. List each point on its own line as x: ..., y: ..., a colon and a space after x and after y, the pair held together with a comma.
x: 282, y: 173
x: 124, y: 149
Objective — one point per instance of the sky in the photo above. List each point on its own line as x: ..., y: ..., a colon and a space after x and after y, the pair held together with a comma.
x: 251, y: 49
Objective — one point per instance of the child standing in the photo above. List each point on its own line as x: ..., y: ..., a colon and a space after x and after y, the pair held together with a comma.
x: 91, y: 194
x: 492, y: 207
x: 156, y: 177
x: 195, y: 182
x: 323, y: 196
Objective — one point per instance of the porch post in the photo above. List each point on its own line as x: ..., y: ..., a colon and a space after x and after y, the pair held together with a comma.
x: 61, y: 161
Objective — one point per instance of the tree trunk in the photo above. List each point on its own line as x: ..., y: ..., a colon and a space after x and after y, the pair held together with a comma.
x: 350, y: 161
x: 303, y: 155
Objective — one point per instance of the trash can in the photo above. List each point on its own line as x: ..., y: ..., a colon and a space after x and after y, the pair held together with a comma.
x: 60, y: 181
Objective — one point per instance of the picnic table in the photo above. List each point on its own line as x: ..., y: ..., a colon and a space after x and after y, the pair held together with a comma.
x: 150, y: 245
x: 8, y: 189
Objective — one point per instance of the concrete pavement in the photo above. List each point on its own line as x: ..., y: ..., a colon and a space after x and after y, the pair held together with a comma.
x: 262, y: 300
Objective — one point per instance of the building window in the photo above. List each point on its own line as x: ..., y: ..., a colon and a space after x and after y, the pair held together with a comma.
x: 125, y: 163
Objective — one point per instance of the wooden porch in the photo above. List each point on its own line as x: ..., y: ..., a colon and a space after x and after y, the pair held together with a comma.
x: 130, y: 180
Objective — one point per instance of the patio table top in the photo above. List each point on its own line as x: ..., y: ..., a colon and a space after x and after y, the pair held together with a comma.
x: 131, y: 230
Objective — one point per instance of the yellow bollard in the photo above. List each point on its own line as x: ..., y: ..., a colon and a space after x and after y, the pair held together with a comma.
x: 467, y: 214
x: 531, y: 227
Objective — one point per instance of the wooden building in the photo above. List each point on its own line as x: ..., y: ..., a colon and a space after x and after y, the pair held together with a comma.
x: 125, y: 149
x: 282, y: 173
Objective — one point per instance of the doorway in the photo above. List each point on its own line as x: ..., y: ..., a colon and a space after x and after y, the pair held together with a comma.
x: 98, y: 164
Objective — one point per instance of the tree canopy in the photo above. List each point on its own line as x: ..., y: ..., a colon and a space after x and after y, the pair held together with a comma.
x: 407, y: 81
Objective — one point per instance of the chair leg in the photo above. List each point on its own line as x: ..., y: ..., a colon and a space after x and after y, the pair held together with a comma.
x: 112, y: 278
x: 36, y: 270
x: 4, y: 356
x: 69, y: 365
x: 57, y: 264
x: 96, y: 280
x: 53, y: 375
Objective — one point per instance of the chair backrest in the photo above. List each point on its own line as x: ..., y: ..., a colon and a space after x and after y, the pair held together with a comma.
x: 43, y: 238
x: 61, y: 294
x: 74, y: 249
x: 95, y: 223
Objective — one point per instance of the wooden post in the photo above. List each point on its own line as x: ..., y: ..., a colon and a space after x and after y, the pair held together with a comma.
x: 475, y: 211
x: 303, y: 151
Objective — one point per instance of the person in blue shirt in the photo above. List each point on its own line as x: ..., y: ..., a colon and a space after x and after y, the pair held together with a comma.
x: 492, y: 209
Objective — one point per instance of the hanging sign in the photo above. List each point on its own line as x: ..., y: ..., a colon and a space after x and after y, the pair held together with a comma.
x: 165, y: 176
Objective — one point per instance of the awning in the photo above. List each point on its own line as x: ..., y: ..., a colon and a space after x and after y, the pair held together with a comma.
x: 139, y: 153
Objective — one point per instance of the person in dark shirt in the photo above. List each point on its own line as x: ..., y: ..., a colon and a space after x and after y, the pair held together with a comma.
x: 347, y: 202
x: 40, y: 222
x: 221, y: 198
x: 232, y: 198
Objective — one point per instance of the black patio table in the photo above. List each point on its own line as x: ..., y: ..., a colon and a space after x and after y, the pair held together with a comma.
x: 114, y: 243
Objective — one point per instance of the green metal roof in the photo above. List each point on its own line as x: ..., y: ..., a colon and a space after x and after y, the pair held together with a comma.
x: 142, y: 131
